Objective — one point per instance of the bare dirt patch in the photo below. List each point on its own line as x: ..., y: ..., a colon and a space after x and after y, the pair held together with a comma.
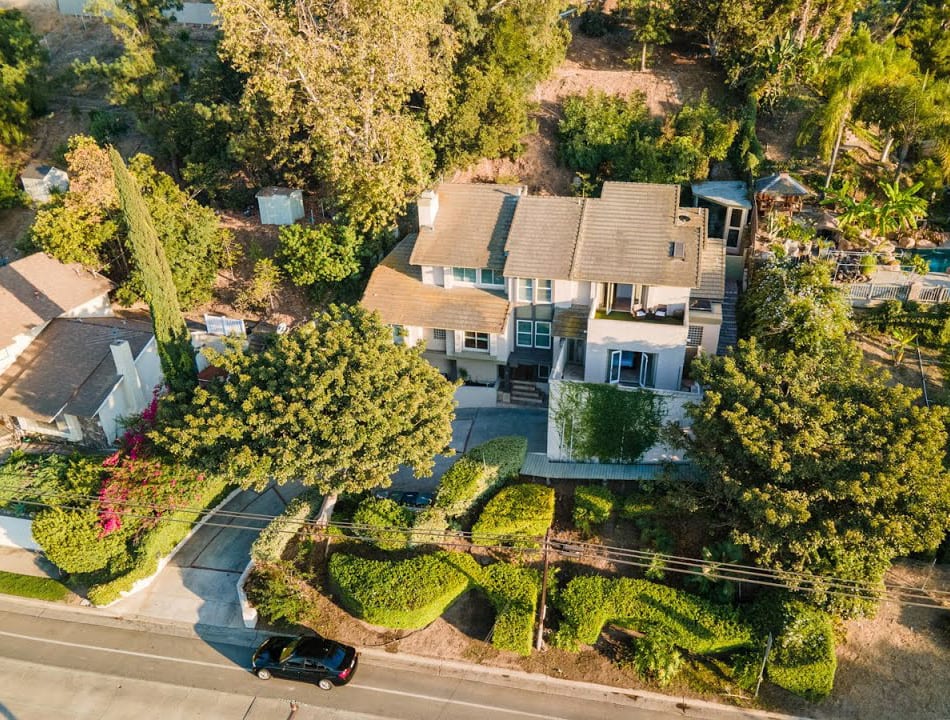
x: 676, y: 75
x: 877, y: 352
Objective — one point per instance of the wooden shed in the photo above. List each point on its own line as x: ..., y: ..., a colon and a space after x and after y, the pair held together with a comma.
x: 280, y: 206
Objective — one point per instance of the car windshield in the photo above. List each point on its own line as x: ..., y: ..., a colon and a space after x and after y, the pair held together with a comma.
x: 335, y: 659
x: 289, y: 650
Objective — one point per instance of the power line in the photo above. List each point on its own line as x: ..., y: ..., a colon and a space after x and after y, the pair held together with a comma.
x: 711, y: 569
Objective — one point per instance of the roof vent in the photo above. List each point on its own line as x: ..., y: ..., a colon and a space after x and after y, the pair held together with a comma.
x: 684, y: 218
x: 678, y: 250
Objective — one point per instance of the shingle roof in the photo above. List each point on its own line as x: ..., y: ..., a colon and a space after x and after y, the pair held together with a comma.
x: 543, y: 236
x: 470, y: 227
x: 396, y: 291
x: 69, y: 367
x: 712, y: 277
x: 38, y: 288
x: 627, y: 236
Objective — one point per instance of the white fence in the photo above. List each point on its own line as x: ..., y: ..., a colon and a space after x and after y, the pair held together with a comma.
x: 870, y: 293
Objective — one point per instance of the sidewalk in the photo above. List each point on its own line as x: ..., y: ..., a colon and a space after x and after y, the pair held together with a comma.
x: 27, y: 562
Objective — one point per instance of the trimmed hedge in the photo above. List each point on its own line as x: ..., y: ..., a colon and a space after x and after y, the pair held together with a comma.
x: 593, y: 505
x: 410, y: 594
x: 378, y: 514
x: 803, y: 659
x: 30, y: 480
x: 407, y: 594
x: 273, y: 540
x: 479, y: 473
x: 156, y: 543
x: 690, y: 622
x: 515, y: 515
x: 73, y: 541
x: 513, y: 592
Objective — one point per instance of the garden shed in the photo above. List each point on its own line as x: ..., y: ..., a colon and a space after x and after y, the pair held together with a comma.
x: 41, y: 181
x: 280, y: 206
x: 727, y: 206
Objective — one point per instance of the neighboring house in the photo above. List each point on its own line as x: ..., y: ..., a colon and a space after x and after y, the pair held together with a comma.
x: 528, y: 291
x: 41, y: 181
x: 80, y: 376
x: 729, y: 207
x: 280, y: 206
x: 36, y: 289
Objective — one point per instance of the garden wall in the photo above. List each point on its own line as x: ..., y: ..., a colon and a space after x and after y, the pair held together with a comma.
x: 17, y: 533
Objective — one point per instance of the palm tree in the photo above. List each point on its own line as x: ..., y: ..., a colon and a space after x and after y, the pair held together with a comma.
x: 901, y: 340
x: 901, y: 209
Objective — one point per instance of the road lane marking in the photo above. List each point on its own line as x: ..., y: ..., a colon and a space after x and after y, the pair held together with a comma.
x: 477, y: 706
x: 133, y: 653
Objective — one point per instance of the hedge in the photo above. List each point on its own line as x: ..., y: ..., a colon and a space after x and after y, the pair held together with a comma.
x: 156, y: 543
x: 378, y: 514
x: 593, y: 505
x: 513, y: 592
x: 479, y: 473
x: 692, y: 623
x: 273, y: 540
x: 406, y: 594
x: 803, y: 657
x: 30, y: 480
x: 516, y: 514
x: 410, y: 594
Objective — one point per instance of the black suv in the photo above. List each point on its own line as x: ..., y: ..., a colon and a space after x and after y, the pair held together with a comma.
x: 310, y: 658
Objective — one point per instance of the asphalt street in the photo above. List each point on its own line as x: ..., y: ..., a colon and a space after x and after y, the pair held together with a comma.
x: 55, y: 668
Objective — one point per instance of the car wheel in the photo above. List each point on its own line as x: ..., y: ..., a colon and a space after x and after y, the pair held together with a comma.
x: 264, y: 674
x: 325, y: 684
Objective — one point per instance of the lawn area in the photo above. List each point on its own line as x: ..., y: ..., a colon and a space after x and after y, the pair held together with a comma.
x: 29, y: 586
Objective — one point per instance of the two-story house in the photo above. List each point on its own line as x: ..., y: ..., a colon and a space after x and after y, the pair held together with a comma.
x: 513, y: 289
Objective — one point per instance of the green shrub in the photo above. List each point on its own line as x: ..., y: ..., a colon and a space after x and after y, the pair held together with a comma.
x: 430, y: 523
x: 694, y: 624
x: 656, y: 658
x: 407, y: 594
x: 513, y: 592
x: 803, y: 657
x: 40, y: 588
x: 593, y: 505
x: 279, y: 597
x: 380, y: 514
x: 515, y: 515
x: 475, y: 476
x: 271, y: 543
x: 31, y: 480
x: 634, y: 507
x: 10, y: 193
x: 72, y: 540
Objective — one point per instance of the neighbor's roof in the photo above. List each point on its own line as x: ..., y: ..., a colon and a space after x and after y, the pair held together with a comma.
x: 733, y: 193
x: 628, y: 233
x: 38, y: 288
x: 396, y: 291
x: 471, y: 227
x: 712, y: 276
x: 69, y: 367
x: 543, y: 236
x: 275, y: 191
x: 781, y: 184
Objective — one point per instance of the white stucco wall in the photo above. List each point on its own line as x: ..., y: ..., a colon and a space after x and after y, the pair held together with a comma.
x: 667, y: 341
x: 118, y: 405
x: 17, y: 533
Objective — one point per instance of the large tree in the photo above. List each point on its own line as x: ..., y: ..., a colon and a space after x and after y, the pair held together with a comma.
x: 817, y: 464
x: 22, y: 59
x: 171, y: 333
x: 334, y: 403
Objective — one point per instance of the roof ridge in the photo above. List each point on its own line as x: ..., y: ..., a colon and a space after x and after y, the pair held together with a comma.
x: 578, y: 235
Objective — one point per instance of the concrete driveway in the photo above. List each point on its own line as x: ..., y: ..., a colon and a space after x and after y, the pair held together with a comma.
x: 198, y: 585
x: 472, y: 427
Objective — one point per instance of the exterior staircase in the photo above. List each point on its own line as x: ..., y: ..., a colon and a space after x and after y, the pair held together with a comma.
x: 524, y: 392
x: 729, y: 331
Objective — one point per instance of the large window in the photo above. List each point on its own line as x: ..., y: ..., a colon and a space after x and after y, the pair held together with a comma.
x: 491, y: 277
x: 526, y: 289
x: 524, y: 334
x: 628, y: 367
x: 464, y: 275
x: 536, y: 333
x: 476, y: 341
x: 535, y: 291
x: 542, y: 334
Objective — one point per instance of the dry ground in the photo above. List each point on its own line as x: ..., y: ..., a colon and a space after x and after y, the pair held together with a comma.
x: 877, y: 352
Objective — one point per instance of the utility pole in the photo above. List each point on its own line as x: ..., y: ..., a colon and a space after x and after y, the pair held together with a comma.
x: 542, y: 606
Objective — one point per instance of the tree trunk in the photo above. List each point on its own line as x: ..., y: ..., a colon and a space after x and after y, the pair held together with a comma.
x: 643, y: 57
x: 803, y: 21
x: 842, y: 30
x: 834, y: 153
x: 886, y: 151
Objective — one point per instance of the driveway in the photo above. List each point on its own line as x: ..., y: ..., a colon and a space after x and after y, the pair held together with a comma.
x: 198, y: 585
x: 471, y: 428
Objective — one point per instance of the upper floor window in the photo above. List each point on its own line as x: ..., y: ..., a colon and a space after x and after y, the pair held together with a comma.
x: 543, y: 294
x: 438, y: 334
x: 475, y: 341
x: 491, y: 277
x: 464, y: 275
x: 534, y: 291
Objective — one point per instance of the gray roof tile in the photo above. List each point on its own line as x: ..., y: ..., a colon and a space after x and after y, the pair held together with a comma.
x: 543, y: 236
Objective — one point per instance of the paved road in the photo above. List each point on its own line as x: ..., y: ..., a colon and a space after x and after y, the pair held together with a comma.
x: 53, y: 668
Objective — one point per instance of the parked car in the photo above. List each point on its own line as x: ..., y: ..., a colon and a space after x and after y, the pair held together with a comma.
x: 309, y: 658
x: 412, y: 499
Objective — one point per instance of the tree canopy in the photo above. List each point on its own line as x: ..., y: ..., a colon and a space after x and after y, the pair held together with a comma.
x: 333, y: 403
x: 22, y: 60
x: 817, y: 463
x: 85, y: 225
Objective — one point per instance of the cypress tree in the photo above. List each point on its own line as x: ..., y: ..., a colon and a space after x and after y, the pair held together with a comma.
x: 174, y: 342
